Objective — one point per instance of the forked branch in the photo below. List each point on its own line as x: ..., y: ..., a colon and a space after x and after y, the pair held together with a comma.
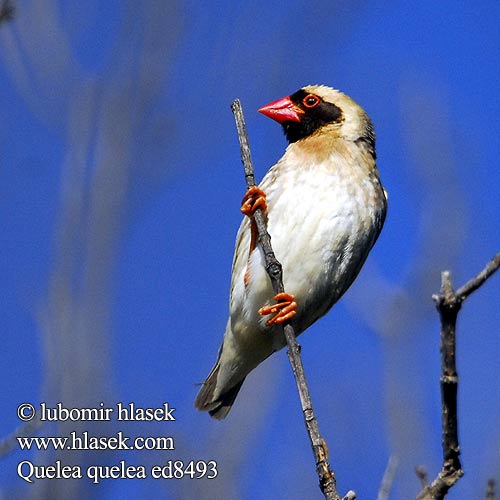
x: 448, y: 303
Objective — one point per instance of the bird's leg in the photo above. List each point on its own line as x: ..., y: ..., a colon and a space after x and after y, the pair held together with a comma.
x: 285, y: 309
x: 254, y: 198
x: 286, y: 306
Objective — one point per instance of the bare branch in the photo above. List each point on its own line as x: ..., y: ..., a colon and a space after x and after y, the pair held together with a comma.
x: 448, y: 303
x: 326, y: 476
x: 472, y: 285
x: 388, y: 479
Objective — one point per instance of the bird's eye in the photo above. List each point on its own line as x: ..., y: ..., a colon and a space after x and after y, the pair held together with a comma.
x: 310, y: 101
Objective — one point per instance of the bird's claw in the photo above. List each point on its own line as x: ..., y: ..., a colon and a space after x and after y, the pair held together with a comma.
x: 254, y: 198
x: 285, y: 309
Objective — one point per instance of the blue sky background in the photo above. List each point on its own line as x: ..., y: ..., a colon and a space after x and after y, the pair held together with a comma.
x: 119, y: 198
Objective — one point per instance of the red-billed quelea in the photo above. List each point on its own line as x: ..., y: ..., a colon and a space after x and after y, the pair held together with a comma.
x: 325, y: 208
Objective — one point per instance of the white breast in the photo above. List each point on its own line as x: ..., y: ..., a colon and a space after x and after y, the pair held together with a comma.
x: 323, y: 219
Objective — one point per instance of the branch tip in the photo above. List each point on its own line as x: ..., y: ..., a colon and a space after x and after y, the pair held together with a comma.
x: 350, y: 495
x: 422, y: 475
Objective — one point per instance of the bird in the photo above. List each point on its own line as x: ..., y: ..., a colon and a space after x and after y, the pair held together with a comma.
x: 325, y: 207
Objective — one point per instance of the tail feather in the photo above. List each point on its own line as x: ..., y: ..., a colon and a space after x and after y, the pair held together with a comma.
x: 217, y: 407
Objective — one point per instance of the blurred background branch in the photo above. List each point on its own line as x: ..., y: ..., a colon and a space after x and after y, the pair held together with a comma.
x: 384, y: 491
x: 490, y: 490
x: 7, y: 11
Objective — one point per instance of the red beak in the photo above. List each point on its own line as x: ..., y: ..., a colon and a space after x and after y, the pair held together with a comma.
x: 282, y: 110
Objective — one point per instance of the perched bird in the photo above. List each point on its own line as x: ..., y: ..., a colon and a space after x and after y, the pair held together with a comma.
x: 325, y: 207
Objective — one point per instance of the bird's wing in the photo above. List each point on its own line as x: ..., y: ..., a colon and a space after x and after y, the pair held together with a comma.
x: 240, y: 259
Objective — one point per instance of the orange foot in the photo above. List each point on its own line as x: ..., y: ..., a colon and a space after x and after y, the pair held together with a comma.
x: 254, y: 198
x: 285, y: 309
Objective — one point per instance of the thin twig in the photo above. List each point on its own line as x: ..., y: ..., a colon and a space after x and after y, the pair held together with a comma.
x: 388, y: 479
x: 448, y: 303
x: 422, y: 475
x: 326, y: 476
x: 464, y: 291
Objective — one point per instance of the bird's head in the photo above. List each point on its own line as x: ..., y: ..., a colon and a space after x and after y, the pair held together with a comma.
x: 317, y: 109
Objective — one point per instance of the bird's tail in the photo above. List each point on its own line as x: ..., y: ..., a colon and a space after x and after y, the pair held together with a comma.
x: 217, y: 407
